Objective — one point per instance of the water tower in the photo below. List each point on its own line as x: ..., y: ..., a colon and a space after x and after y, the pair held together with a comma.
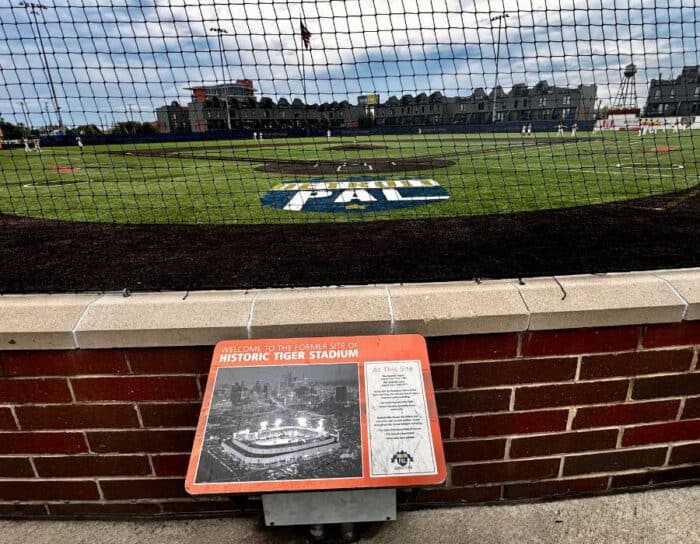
x: 626, y: 98
x: 624, y: 113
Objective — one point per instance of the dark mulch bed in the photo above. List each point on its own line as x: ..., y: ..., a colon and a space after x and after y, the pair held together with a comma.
x: 41, y: 255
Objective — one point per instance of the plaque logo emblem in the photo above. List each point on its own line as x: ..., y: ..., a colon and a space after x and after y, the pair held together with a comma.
x: 402, y: 458
x: 354, y: 195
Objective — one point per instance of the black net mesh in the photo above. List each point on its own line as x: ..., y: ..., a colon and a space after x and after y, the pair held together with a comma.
x: 343, y: 141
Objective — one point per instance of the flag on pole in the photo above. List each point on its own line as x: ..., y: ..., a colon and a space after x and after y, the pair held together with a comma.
x: 305, y: 35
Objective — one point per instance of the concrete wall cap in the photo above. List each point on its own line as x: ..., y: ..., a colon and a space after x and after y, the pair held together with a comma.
x: 70, y: 321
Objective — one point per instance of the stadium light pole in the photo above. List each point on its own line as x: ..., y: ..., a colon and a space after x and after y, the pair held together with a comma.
x: 33, y: 9
x: 501, y: 18
x: 48, y: 115
x: 27, y: 126
x: 220, y: 33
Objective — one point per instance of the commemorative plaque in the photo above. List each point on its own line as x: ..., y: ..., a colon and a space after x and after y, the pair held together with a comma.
x: 317, y: 414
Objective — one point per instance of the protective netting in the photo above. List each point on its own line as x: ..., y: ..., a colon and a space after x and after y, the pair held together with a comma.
x: 253, y: 114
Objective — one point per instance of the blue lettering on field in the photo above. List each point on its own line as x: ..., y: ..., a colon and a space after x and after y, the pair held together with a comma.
x: 354, y: 195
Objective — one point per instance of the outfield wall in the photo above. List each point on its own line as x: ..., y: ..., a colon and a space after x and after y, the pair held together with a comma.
x: 550, y: 388
x: 125, y: 139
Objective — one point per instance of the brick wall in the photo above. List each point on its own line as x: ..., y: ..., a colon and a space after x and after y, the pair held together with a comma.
x: 524, y: 416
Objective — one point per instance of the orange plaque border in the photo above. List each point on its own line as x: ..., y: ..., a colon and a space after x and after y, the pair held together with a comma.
x: 371, y: 349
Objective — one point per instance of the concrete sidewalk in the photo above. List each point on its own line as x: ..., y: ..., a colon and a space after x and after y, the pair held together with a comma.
x: 671, y: 515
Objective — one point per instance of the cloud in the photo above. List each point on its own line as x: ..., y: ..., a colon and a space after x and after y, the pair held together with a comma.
x: 141, y: 54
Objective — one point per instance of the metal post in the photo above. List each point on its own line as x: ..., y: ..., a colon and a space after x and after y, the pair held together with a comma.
x: 220, y: 33
x: 499, y: 18
x: 27, y: 126
x: 48, y: 115
x: 303, y: 80
x: 32, y: 8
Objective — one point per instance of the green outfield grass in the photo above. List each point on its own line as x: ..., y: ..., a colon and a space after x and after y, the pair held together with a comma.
x: 492, y: 174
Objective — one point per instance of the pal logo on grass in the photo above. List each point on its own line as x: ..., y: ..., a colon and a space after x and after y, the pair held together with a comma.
x: 354, y: 195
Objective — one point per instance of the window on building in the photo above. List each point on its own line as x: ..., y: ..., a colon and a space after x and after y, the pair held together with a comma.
x: 673, y: 93
x: 657, y: 93
x: 696, y: 94
x: 480, y: 106
x: 543, y: 101
x: 567, y: 100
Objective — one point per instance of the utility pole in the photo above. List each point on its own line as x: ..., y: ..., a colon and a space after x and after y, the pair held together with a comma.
x: 501, y: 19
x: 220, y: 33
x: 33, y: 9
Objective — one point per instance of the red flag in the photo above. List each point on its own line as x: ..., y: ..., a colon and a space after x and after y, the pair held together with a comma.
x: 305, y: 36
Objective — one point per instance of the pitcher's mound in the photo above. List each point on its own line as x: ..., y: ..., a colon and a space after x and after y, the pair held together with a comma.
x: 355, y: 147
x: 357, y: 166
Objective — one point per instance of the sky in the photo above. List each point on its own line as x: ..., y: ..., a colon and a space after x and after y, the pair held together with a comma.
x: 323, y: 373
x: 116, y: 59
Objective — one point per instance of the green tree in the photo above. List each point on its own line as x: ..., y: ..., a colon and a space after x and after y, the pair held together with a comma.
x: 88, y: 130
x: 10, y: 131
x: 133, y: 128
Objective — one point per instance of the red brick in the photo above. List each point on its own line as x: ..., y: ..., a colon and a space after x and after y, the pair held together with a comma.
x: 613, y: 461
x: 445, y: 427
x: 625, y: 414
x: 92, y: 465
x: 692, y: 408
x: 442, y: 376
x: 533, y: 446
x: 22, y: 510
x: 635, y: 363
x: 570, y: 394
x: 31, y: 442
x: 144, y: 488
x: 458, y: 495
x: 41, y: 490
x: 511, y: 423
x: 460, y: 402
x: 516, y: 371
x: 505, y: 471
x: 199, y: 506
x: 171, y: 465
x: 474, y: 450
x: 171, y: 414
x: 34, y: 391
x: 672, y: 334
x: 184, y: 360
x: 78, y: 416
x: 674, y: 431
x: 464, y: 348
x: 555, y: 488
x: 7, y: 422
x: 677, y: 385
x: 96, y: 510
x: 136, y: 388
x: 656, y: 477
x: 568, y: 342
x: 62, y: 363
x: 687, y: 453
x: 140, y: 441
x: 15, y: 467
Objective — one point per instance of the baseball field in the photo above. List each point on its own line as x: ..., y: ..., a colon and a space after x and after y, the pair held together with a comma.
x: 230, y: 182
